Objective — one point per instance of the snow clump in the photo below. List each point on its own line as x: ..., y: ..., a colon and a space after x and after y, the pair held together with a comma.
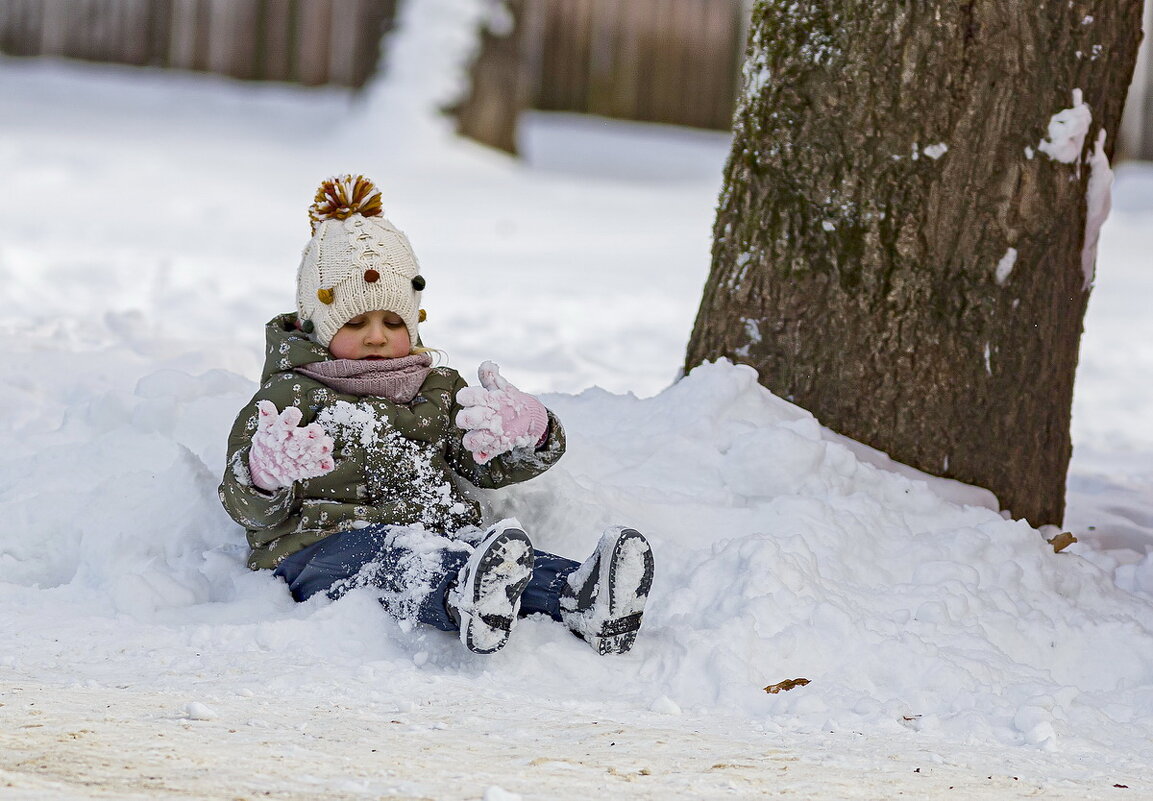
x: 1067, y: 131
x: 935, y: 151
x: 1005, y: 266
x: 1098, y: 202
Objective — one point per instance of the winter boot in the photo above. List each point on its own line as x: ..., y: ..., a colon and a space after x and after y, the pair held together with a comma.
x: 486, y: 597
x: 603, y: 600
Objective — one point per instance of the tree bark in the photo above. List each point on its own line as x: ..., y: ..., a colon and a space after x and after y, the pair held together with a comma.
x: 894, y: 250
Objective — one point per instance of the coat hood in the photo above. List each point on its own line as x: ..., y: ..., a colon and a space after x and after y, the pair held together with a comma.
x: 288, y: 347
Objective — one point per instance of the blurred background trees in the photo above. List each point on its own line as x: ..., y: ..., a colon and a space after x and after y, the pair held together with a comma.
x: 665, y: 61
x: 312, y: 42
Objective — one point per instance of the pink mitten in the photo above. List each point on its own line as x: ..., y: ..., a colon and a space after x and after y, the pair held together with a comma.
x: 498, y: 417
x: 282, y: 452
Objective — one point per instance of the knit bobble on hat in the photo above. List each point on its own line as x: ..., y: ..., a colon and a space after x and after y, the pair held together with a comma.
x: 340, y: 198
x: 356, y: 262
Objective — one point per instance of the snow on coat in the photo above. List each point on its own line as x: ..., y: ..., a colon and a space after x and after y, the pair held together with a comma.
x: 395, y: 463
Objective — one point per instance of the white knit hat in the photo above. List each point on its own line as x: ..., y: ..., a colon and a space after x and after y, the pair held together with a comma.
x: 356, y: 262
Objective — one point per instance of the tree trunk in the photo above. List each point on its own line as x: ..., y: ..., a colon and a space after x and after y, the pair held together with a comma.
x: 895, y: 250
x: 500, y: 81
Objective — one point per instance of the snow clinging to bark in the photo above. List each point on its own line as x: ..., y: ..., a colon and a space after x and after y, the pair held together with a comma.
x: 1065, y: 142
x: 499, y: 19
x: 744, y: 259
x: 755, y: 72
x: 1067, y: 130
x: 752, y: 329
x: 1005, y: 266
x: 1098, y: 202
x: 936, y: 151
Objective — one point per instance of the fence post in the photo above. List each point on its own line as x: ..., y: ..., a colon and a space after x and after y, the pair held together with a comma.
x: 278, y: 44
x: 342, y: 40
x: 313, y: 39
x: 1135, y: 139
x: 534, y: 25
x: 181, y: 34
x: 190, y: 26
x: 600, y: 81
x: 54, y: 27
x: 232, y: 36
x: 21, y: 21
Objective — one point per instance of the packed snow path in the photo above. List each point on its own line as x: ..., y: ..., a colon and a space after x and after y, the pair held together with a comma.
x: 75, y: 744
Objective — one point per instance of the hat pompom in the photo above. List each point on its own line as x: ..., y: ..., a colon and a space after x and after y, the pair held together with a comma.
x: 343, y: 196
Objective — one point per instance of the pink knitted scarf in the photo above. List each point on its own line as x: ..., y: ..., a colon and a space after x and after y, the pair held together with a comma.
x: 398, y: 380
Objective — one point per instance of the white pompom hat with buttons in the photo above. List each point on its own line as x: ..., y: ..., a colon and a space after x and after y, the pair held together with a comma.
x: 356, y: 262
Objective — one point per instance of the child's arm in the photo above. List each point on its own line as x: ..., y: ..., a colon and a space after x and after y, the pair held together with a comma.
x: 487, y: 451
x: 245, y: 500
x: 499, y: 418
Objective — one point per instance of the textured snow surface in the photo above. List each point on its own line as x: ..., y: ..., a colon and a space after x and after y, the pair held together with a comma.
x: 945, y: 646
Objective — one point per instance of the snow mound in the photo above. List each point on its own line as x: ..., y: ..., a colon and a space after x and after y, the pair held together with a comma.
x: 780, y: 555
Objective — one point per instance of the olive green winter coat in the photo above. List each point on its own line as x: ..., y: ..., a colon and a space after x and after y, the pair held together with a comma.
x: 395, y: 463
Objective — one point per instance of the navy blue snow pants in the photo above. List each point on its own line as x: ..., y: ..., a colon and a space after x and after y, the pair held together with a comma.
x: 414, y: 569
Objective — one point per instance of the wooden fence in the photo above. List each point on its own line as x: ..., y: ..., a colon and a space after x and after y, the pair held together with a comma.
x: 1135, y: 139
x: 674, y: 61
x: 303, y: 41
x: 670, y: 61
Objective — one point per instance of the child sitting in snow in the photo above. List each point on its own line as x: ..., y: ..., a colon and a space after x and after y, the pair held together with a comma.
x: 341, y: 467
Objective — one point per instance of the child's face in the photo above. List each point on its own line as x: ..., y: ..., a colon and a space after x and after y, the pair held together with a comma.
x: 373, y: 335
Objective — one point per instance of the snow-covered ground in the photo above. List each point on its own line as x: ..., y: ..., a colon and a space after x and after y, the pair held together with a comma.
x: 150, y: 223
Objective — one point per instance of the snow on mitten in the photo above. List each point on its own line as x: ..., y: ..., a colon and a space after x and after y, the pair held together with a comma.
x: 498, y: 417
x: 283, y: 452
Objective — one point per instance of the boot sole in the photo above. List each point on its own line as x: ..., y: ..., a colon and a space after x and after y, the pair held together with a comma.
x: 620, y: 632
x: 500, y: 570
x: 626, y: 575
